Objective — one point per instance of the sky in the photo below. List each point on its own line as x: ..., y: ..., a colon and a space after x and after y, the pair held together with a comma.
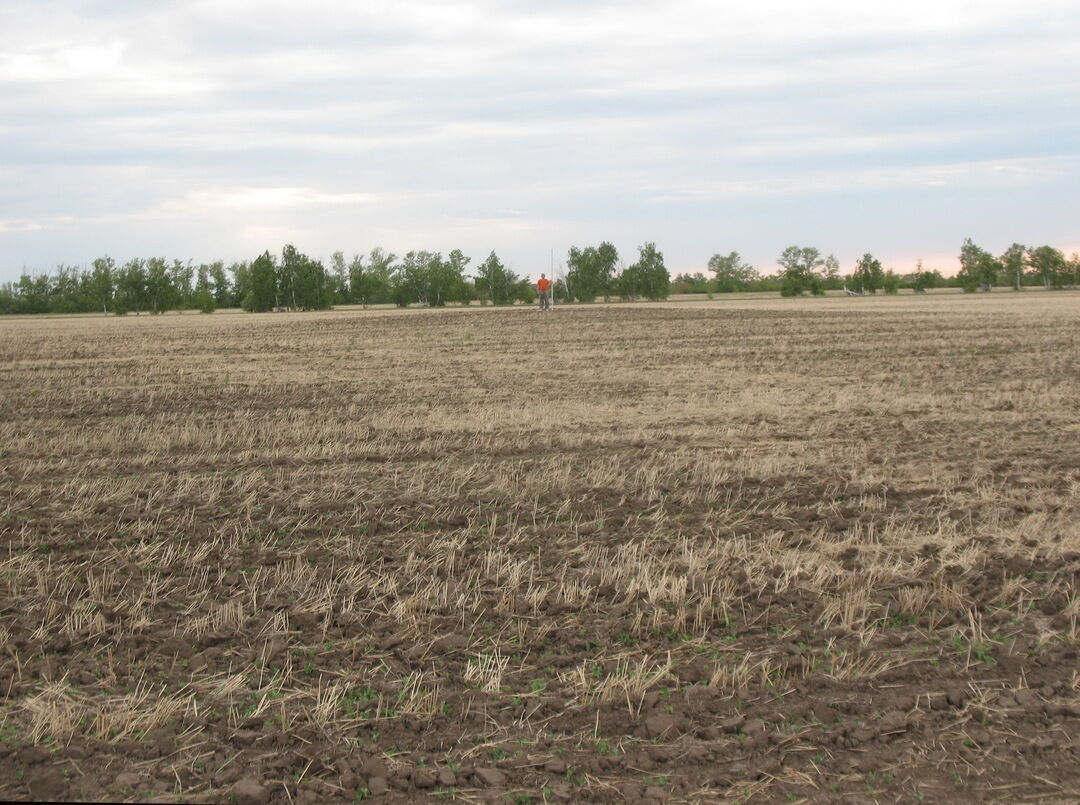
x: 217, y: 129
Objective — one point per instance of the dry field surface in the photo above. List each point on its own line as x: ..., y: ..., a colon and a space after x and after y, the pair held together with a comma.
x: 757, y: 551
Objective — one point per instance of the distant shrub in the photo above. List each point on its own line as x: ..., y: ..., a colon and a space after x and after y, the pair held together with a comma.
x: 204, y: 301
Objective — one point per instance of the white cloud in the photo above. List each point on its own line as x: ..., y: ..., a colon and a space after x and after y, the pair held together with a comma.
x: 997, y: 174
x: 63, y: 62
x: 256, y: 239
x: 243, y: 199
x: 92, y: 69
x: 230, y: 120
x: 21, y: 226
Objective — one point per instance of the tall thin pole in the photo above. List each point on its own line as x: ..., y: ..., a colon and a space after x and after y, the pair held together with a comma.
x: 551, y: 302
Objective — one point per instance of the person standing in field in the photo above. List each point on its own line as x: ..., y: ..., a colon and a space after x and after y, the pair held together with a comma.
x: 543, y: 289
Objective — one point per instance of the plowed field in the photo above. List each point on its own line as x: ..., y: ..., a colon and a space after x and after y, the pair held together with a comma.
x: 759, y: 551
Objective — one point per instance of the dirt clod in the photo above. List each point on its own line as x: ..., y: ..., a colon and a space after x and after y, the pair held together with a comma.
x: 660, y: 726
x: 377, y: 786
x: 447, y: 778
x: 250, y: 791
x: 893, y: 721
x: 126, y: 779
x: 492, y: 778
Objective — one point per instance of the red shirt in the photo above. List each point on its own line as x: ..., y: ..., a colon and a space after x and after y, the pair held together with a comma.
x: 543, y: 284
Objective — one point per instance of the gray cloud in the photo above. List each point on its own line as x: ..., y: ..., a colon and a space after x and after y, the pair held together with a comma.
x: 217, y: 129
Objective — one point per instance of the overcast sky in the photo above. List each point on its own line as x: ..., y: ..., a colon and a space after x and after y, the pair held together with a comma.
x: 216, y: 129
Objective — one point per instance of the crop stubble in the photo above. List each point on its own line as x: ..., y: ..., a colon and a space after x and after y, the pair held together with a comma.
x: 756, y: 551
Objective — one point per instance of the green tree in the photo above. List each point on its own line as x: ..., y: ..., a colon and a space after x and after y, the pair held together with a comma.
x: 559, y: 293
x: 160, y: 293
x: 302, y: 282
x: 66, y: 291
x: 525, y: 291
x: 219, y: 282
x: 131, y: 287
x: 495, y: 282
x: 462, y: 291
x: 289, y: 282
x: 922, y: 279
x: 800, y: 271
x: 978, y: 268
x: 1050, y: 264
x: 381, y: 263
x: 890, y: 282
x: 260, y: 284
x: 355, y: 274
x: 367, y: 285
x: 203, y: 297
x: 1013, y: 262
x: 731, y: 272
x: 101, y: 283
x: 626, y: 284
x: 339, y: 279
x: 868, y: 275
x: 647, y: 277
x: 830, y: 274
x: 445, y: 279
x: 86, y: 292
x: 9, y: 299
x: 413, y: 279
x: 690, y: 283
x: 181, y: 277
x: 591, y: 271
x: 241, y: 283
x: 468, y: 292
x: 32, y: 293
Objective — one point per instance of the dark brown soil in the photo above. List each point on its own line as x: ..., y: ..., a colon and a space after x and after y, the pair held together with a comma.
x: 622, y: 554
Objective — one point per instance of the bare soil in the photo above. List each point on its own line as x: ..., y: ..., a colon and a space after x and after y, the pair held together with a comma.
x: 760, y: 551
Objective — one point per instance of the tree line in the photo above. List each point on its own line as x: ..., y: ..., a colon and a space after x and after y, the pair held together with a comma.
x: 807, y: 270
x: 295, y: 281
